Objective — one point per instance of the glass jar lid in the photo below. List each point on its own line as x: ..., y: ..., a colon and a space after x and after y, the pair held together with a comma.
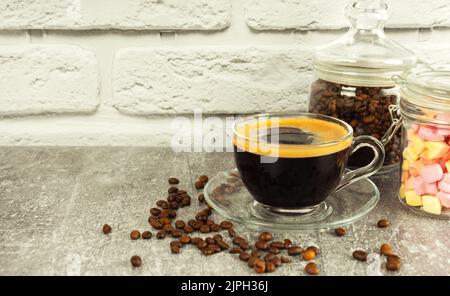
x: 364, y: 56
x: 425, y: 90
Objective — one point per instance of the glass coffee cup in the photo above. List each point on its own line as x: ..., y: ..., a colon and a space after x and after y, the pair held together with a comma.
x: 291, y: 163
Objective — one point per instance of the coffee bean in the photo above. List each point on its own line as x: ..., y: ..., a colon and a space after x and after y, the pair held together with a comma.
x: 251, y: 261
x: 287, y: 243
x: 210, y: 222
x: 223, y: 245
x: 277, y: 244
x: 270, y: 267
x: 195, y: 240
x: 277, y: 261
x: 107, y: 229
x: 136, y: 261
x: 231, y: 232
x: 215, y: 248
x: 161, y: 234
x: 386, y: 249
x: 201, y: 198
x: 155, y: 223
x: 285, y: 259
x: 205, y: 229
x: 135, y: 234
x: 162, y: 204
x: 237, y: 240
x: 201, y: 244
x: 203, y: 178
x: 269, y: 257
x: 244, y: 256
x: 175, y: 249
x: 393, y: 257
x: 147, y: 235
x: 360, y: 255
x: 261, y: 245
x: 172, y: 189
x: 273, y: 250
x: 312, y: 268
x: 210, y: 241
x: 217, y: 237
x: 383, y: 223
x: 236, y: 250
x: 259, y: 266
x: 315, y: 249
x: 191, y: 222
x: 185, y: 239
x: 197, y: 225
x: 188, y: 229
x: 172, y: 197
x: 173, y: 181
x: 182, y: 192
x: 174, y: 205
x: 265, y: 236
x: 295, y: 250
x: 167, y: 228
x: 172, y: 214
x: 155, y: 211
x: 340, y: 231
x: 180, y: 224
x: 215, y: 227
x: 165, y: 220
x: 176, y: 243
x: 393, y: 265
x: 176, y: 233
x: 199, y: 184
x: 309, y: 255
x: 244, y: 245
x: 256, y: 253
x: 186, y: 202
x: 226, y: 225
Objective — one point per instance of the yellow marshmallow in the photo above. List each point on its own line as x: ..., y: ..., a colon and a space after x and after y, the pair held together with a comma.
x: 410, y: 155
x: 436, y: 149
x: 447, y: 165
x: 417, y: 144
x: 413, y: 199
x: 401, y: 192
x: 431, y: 204
x: 405, y: 165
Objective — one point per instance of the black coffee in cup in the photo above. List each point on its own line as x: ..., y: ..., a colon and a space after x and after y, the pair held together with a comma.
x: 292, y: 163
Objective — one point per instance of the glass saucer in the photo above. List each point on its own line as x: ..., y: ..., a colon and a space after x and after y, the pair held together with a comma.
x: 226, y: 194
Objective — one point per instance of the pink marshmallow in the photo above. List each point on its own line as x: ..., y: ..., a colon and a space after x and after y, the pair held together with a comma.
x: 431, y: 188
x: 444, y: 198
x: 444, y: 117
x: 430, y: 134
x: 444, y: 185
x: 420, y: 186
x: 432, y: 173
x: 414, y: 127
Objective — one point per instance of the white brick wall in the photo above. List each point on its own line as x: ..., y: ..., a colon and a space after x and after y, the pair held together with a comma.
x: 116, y: 72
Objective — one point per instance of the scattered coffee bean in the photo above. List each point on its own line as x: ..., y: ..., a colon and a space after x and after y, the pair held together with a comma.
x: 107, y: 229
x: 236, y: 250
x: 251, y: 261
x: 165, y: 220
x: 309, y: 255
x: 210, y: 222
x: 285, y: 259
x: 270, y: 266
x: 175, y: 249
x: 188, y: 229
x: 176, y: 233
x: 237, y: 240
x: 287, y: 243
x: 185, y: 239
x: 205, y: 229
x: 244, y: 256
x: 147, y: 235
x: 277, y: 244
x: 201, y: 198
x: 172, y: 189
x: 231, y: 232
x: 393, y: 257
x: 167, y: 228
x: 393, y: 264
x: 386, y: 249
x: 256, y: 253
x: 210, y: 241
x: 155, y: 211
x: 172, y: 214
x: 161, y: 234
x: 315, y: 249
x: 195, y: 240
x: 312, y: 268
x: 273, y: 250
x: 135, y: 234
x: 269, y: 257
x: 201, y: 244
x: 265, y: 236
x: 277, y: 261
x: 191, y: 222
x: 260, y: 266
x: 176, y: 243
x: 226, y: 225
x: 218, y: 237
x: 383, y: 223
x: 180, y: 224
x: 223, y: 245
x: 216, y: 248
x: 155, y: 223
x: 203, y: 179
x: 340, y: 231
x: 244, y: 245
x: 360, y: 255
x: 215, y: 227
x: 162, y: 204
x: 199, y: 185
x: 173, y: 181
x: 295, y: 250
x: 197, y: 225
x: 174, y: 205
x: 261, y: 245
x: 136, y: 261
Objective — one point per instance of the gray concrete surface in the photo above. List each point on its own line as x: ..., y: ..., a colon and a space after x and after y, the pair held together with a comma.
x: 54, y: 201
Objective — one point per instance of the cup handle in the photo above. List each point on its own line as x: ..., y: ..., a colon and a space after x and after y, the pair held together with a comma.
x: 367, y: 171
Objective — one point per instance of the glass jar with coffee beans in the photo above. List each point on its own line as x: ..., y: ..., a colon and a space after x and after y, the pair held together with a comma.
x: 353, y: 78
